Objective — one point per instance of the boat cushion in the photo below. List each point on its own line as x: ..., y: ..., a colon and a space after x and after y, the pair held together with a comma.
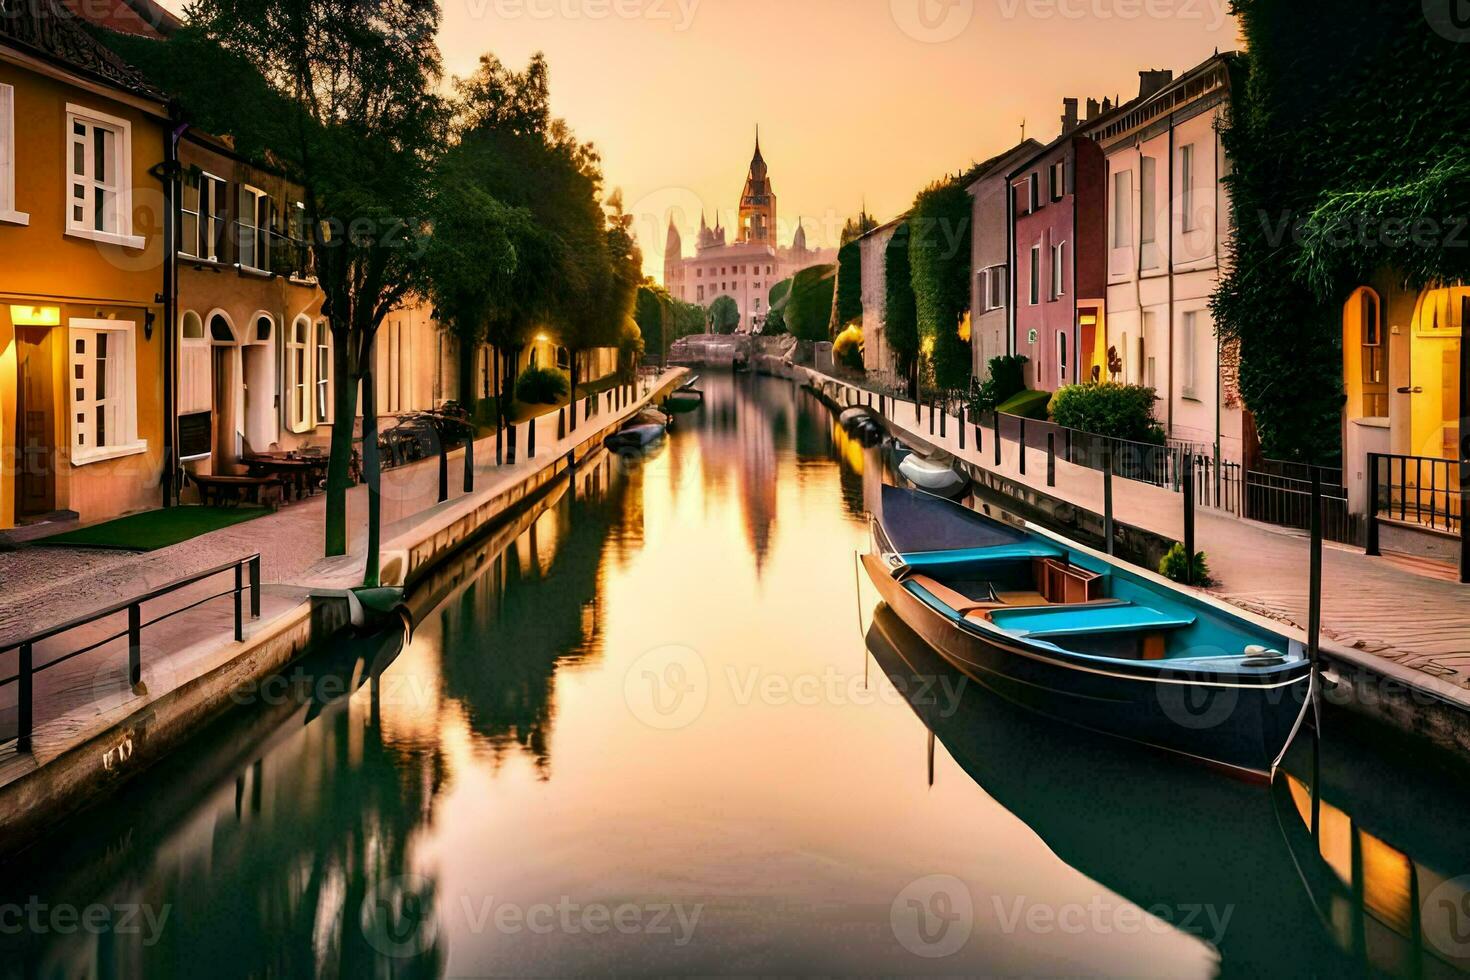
x: 1078, y: 620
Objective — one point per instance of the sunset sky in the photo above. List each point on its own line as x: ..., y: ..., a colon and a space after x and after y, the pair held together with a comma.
x: 856, y: 99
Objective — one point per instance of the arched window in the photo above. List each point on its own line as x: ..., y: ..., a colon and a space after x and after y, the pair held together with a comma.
x: 297, y: 405
x: 220, y: 329
x: 1365, y: 355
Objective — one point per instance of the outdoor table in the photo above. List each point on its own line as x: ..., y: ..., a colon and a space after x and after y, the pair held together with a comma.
x: 300, y: 473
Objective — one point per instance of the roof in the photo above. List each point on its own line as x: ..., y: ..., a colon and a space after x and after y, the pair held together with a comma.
x: 987, y: 168
x: 144, y: 18
x: 47, y: 30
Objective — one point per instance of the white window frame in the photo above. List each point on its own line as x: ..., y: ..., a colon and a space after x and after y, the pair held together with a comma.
x: 1186, y: 187
x: 1148, y: 197
x: 1034, y: 287
x: 188, y: 241
x: 1188, y: 355
x: 195, y: 368
x: 214, y: 216
x: 298, y: 374
x: 1062, y: 353
x: 1058, y: 180
x: 1033, y: 192
x: 252, y: 258
x: 121, y: 392
x: 322, y: 373
x: 1122, y: 190
x: 1058, y: 270
x: 118, y: 183
x: 8, y: 213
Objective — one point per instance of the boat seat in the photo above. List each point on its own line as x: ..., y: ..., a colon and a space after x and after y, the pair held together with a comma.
x: 1090, y: 619
x: 962, y: 604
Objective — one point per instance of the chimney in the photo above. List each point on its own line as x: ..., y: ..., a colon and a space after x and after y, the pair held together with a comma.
x: 1094, y: 109
x: 1153, y: 80
x: 1107, y: 104
x: 1069, y: 115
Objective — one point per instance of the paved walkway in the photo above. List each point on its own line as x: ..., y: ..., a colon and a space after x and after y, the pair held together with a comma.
x: 71, y: 698
x: 1382, y: 606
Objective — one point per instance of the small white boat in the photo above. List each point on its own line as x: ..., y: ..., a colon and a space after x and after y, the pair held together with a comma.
x: 933, y: 475
x: 635, y: 437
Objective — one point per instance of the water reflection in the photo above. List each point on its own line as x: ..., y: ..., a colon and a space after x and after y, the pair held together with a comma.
x: 413, y: 808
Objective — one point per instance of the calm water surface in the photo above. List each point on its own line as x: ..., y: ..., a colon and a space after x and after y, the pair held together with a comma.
x: 649, y: 728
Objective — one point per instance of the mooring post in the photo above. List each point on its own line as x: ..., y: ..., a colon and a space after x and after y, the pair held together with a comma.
x: 931, y: 415
x: 443, y: 468
x: 943, y: 415
x: 1314, y: 585
x: 1188, y: 491
x: 1021, y: 442
x: 1051, y: 459
x: 960, y: 423
x: 510, y: 445
x: 135, y: 631
x: 561, y: 423
x: 531, y: 438
x: 997, y: 440
x: 23, y: 704
x: 469, y: 461
x: 1108, y: 498
x: 1371, y: 546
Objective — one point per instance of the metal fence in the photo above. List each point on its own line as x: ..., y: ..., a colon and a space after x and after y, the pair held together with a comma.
x: 1280, y: 492
x: 1419, y: 490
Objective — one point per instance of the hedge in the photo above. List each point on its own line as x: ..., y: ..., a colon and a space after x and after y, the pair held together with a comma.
x: 809, y: 310
x: 541, y: 386
x: 1109, y: 409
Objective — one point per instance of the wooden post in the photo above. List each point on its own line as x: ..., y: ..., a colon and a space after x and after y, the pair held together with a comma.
x: 254, y: 586
x: 1371, y: 546
x: 469, y: 461
x: 135, y: 673
x: 23, y: 705
x: 1021, y: 442
x: 960, y: 424
x: 1108, y: 498
x: 1464, y: 450
x: 443, y: 467
x: 135, y: 633
x: 931, y: 415
x: 1051, y: 459
x: 1188, y: 491
x: 510, y: 445
x: 561, y: 423
x: 997, y: 440
x: 531, y: 438
x: 943, y: 416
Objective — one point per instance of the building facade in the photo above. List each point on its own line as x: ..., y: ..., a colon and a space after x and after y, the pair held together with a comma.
x: 744, y: 269
x: 990, y: 249
x: 1167, y: 230
x: 873, y: 247
x: 81, y: 310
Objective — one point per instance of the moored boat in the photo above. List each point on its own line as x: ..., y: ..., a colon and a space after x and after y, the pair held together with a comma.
x: 635, y: 437
x: 933, y: 475
x: 1074, y: 634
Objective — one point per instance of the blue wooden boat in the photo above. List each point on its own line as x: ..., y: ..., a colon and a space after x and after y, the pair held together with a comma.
x: 1076, y: 635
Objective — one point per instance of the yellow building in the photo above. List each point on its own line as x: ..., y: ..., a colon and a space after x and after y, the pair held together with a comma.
x: 81, y: 273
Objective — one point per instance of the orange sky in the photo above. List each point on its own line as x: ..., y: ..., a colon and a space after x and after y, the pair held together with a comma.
x: 855, y: 98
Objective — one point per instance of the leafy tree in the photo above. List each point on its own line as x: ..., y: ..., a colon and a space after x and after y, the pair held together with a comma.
x: 362, y: 79
x: 809, y: 308
x: 777, y: 299
x: 900, y: 313
x: 653, y: 312
x: 724, y: 315
x: 939, y: 259
x: 849, y: 284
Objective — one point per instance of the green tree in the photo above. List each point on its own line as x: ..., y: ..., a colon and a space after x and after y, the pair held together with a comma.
x: 809, y: 308
x: 939, y: 259
x: 724, y: 315
x: 362, y: 80
x: 653, y: 312
x: 849, y: 284
x: 900, y: 315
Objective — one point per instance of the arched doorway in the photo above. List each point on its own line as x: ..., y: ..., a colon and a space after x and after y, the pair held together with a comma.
x: 258, y: 379
x: 225, y: 385
x: 1435, y: 369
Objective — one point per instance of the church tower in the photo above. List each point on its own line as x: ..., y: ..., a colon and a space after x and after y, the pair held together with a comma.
x: 674, y: 261
x: 758, y: 203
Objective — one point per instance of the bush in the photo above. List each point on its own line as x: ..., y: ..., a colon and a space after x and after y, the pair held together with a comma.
x: 1109, y: 409
x: 1007, y: 379
x: 541, y: 386
x: 724, y: 315
x: 1175, y: 566
x: 809, y: 308
x: 1027, y: 404
x: 847, y: 349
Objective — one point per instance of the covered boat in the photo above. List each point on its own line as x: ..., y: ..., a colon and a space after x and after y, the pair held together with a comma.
x: 1074, y: 634
x: 934, y: 475
x: 635, y: 437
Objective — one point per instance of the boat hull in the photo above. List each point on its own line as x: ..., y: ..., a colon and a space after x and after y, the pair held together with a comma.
x: 1229, y: 721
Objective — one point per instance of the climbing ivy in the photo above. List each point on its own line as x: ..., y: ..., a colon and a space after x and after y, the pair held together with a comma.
x: 849, y: 284
x: 900, y: 318
x: 1349, y: 158
x: 939, y: 257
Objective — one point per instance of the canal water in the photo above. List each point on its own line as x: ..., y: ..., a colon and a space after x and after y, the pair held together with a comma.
x: 654, y: 725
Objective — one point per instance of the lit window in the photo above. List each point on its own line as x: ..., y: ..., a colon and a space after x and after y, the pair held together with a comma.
x: 103, y: 392
x: 8, y: 214
x: 99, y: 158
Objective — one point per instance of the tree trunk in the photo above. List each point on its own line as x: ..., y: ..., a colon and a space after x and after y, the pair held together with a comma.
x: 469, y: 397
x: 339, y: 463
x: 371, y: 469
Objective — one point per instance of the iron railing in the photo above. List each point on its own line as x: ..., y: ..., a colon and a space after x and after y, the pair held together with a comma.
x: 26, y: 645
x: 1280, y: 492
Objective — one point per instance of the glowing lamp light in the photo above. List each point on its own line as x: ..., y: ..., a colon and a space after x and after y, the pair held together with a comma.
x: 541, y: 338
x: 35, y: 316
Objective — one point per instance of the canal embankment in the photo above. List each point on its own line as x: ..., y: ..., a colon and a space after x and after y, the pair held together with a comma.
x: 1393, y: 641
x: 94, y: 730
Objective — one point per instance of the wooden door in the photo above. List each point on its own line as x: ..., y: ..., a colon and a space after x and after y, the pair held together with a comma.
x: 36, y: 423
